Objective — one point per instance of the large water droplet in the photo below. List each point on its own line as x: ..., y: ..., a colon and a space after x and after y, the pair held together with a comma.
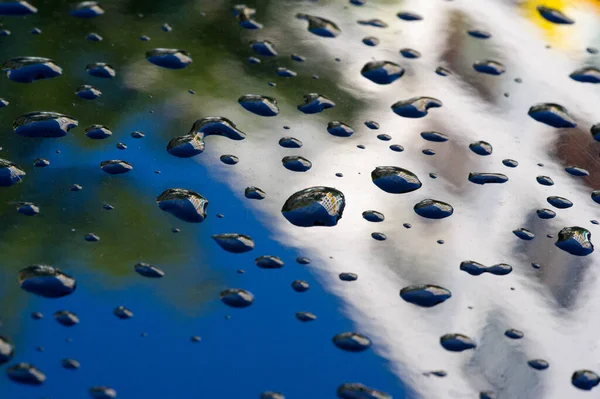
x: 315, y: 103
x: 46, y: 281
x: 481, y: 148
x: 98, y: 132
x: 43, y: 124
x: 237, y: 298
x: 588, y: 74
x: 559, y: 202
x: 382, y: 72
x: 100, y: 70
x: 352, y: 341
x: 416, y: 107
x: 554, y: 115
x: 87, y: 9
x: 577, y: 171
x: 30, y: 69
x: 339, y: 129
x: 395, y: 180
x: 186, y: 205
x: 553, y: 15
x: 524, y: 234
x: 296, y: 163
x: 115, y: 167
x: 169, y: 58
x: 10, y: 173
x: 16, y: 8
x: 575, y: 240
x: 585, y: 379
x: 433, y: 209
x: 254, y: 193
x: 314, y: 206
x: 426, y: 295
x: 234, y: 242
x: 193, y: 143
x: 476, y: 268
x: 320, y: 26
x: 263, y: 47
x: 457, y: 342
x: 360, y: 391
x: 25, y: 373
x: 545, y: 180
x: 259, y: 105
x: 87, y: 92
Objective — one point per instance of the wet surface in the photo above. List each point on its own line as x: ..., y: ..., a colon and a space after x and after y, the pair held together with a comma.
x: 128, y: 229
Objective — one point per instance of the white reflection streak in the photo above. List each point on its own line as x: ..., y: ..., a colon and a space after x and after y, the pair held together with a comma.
x: 484, y: 217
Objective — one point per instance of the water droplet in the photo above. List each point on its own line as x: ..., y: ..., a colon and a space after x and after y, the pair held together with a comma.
x: 410, y: 53
x: 297, y: 57
x: 559, y: 202
x: 6, y: 350
x: 305, y: 316
x: 588, y: 74
x: 372, y: 125
x: 510, y: 163
x: 370, y: 41
x: 166, y: 27
x: 28, y: 209
x: 348, y: 276
x: 379, y: 236
x: 30, y: 69
x: 384, y: 137
x: 524, y: 234
x: 407, y: 225
x: 137, y: 135
x: 592, y: 50
x: 538, y: 364
x: 98, y: 132
x: 358, y: 2
x: 375, y: 22
x: 46, y: 281
x: 269, y: 262
x: 290, y: 142
x: 489, y: 67
x: 4, y: 32
x: 36, y: 31
x: 254, y: 193
x: 87, y: 92
x: 66, y: 318
x: 229, y: 159
x: 576, y: 171
x: 186, y: 205
x: 285, y: 72
x: 382, y: 72
x: 115, y: 167
x: 234, y: 243
x: 545, y: 180
x: 300, y: 286
x: 575, y: 240
x: 253, y: 60
x: 339, y: 129
x: 320, y: 26
x: 259, y: 105
x: 314, y: 206
x: 37, y: 316
x: 263, y: 47
x: 16, y: 8
x: 425, y: 296
x: 101, y: 392
x: 476, y: 268
x: 409, y: 16
x: 479, y: 34
x: 100, y: 70
x: 545, y: 213
x: 76, y: 187
x: 315, y: 103
x: 553, y: 15
x: 70, y: 364
x: 457, y: 342
x: 87, y: 9
x: 122, y: 312
x: 147, y: 270
x: 514, y: 334
x: 416, y: 107
x: 395, y: 180
x: 436, y: 137
x: 352, y: 342
x: 360, y: 391
x: 487, y: 395
x: 43, y: 124
x: 396, y: 148
x: 10, y: 173
x: 196, y: 338
x: 302, y: 260
x: 481, y: 148
x: 443, y: 71
x: 91, y: 237
x: 237, y: 298
x: 169, y: 58
x: 585, y: 379
x: 296, y: 163
x: 25, y: 373
x: 373, y: 216
x: 554, y: 115
x: 244, y: 15
x: 94, y: 37
x: 433, y: 209
x: 485, y: 178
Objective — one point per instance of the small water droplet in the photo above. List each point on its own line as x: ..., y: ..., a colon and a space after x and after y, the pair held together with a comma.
x: 25, y: 373
x: 425, y: 296
x: 315, y: 103
x: 559, y: 202
x: 290, y: 142
x: 234, y: 242
x: 100, y: 70
x: 395, y: 180
x: 514, y: 334
x: 186, y: 205
x: 538, y: 364
x: 524, y: 234
x: 296, y: 163
x: 457, y: 342
x: 320, y: 26
x: 352, y: 342
x: 237, y: 298
x: 433, y: 209
x: 66, y: 318
x: 489, y: 67
x: 553, y: 15
x: 481, y: 148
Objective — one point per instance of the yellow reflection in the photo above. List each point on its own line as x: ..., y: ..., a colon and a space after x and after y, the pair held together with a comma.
x: 560, y: 36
